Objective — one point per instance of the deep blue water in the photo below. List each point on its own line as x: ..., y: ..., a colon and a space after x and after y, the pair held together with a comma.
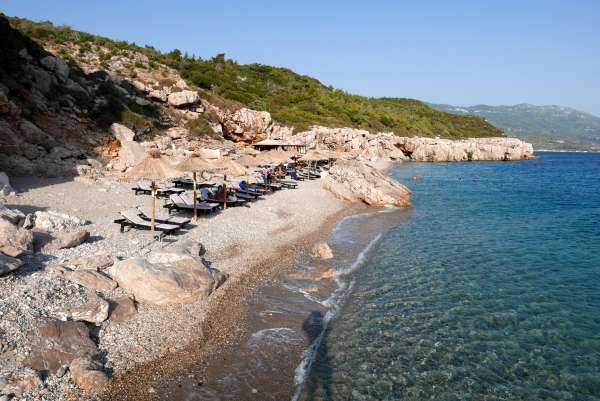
x: 489, y: 289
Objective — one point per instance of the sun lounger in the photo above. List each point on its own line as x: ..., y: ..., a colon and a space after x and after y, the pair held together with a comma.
x: 209, y: 196
x: 144, y: 188
x: 288, y: 184
x: 185, y: 182
x: 132, y: 218
x: 146, y: 213
x: 178, y: 203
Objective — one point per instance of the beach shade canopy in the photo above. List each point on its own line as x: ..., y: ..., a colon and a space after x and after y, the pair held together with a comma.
x: 316, y: 155
x: 275, y: 156
x: 152, y: 168
x: 228, y: 167
x: 248, y: 161
x: 194, y: 164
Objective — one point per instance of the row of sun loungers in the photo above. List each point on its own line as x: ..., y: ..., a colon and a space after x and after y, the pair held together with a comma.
x: 209, y: 200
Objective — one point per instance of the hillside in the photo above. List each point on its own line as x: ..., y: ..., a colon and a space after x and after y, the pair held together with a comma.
x: 546, y: 127
x: 292, y: 99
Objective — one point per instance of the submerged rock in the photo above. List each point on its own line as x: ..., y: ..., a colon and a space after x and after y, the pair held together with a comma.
x: 355, y: 181
x: 322, y: 250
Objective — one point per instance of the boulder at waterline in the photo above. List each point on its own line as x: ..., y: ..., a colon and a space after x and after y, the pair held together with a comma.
x: 322, y: 250
x: 356, y: 181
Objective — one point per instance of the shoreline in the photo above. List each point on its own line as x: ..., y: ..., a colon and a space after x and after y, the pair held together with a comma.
x: 220, y: 329
x: 252, y: 245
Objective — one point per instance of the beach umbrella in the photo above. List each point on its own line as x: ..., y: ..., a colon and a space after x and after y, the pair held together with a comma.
x: 153, y: 168
x: 194, y: 164
x: 248, y: 161
x: 314, y: 156
x: 228, y: 167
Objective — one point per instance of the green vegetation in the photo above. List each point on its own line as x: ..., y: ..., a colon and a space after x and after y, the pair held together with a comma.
x: 291, y: 98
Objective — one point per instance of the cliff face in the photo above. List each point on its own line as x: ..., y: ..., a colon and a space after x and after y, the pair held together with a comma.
x: 367, y: 146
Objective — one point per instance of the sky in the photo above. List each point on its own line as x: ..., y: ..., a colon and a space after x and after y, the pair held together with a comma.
x: 456, y: 52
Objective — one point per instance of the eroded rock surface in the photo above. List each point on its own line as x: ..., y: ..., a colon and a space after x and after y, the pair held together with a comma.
x: 55, y: 343
x: 355, y: 181
x: 167, y: 277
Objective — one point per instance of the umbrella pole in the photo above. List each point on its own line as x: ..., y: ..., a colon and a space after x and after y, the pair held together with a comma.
x: 153, y: 191
x: 225, y: 191
x: 194, y: 191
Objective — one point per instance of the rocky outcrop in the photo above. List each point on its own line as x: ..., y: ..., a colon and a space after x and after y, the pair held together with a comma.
x: 355, y: 181
x: 167, y: 277
x: 445, y: 150
x: 364, y: 145
x: 184, y: 98
x: 244, y: 125
x: 131, y: 152
x: 122, y: 309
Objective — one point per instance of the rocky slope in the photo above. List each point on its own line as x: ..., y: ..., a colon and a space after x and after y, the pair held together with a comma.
x: 68, y: 109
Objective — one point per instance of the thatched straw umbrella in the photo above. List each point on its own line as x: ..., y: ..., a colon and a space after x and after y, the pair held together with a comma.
x: 248, y: 161
x: 314, y: 156
x: 152, y: 168
x: 194, y: 164
x: 228, y: 167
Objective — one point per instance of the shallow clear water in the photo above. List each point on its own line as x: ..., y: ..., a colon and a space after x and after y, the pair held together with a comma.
x: 489, y: 289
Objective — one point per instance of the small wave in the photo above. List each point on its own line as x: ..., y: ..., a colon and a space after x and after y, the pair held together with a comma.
x: 333, y: 303
x: 275, y: 336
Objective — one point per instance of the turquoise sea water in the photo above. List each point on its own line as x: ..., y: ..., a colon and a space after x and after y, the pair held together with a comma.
x: 488, y: 289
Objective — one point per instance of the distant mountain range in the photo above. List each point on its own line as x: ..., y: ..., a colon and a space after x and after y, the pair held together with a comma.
x: 546, y: 127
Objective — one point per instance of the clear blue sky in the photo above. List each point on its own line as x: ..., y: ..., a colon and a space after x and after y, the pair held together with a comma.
x: 457, y: 52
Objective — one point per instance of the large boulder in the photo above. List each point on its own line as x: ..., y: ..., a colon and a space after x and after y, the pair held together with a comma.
x: 67, y: 239
x: 245, y: 125
x: 122, y: 309
x: 167, y: 277
x: 55, y: 343
x: 87, y: 375
x: 356, y: 181
x: 183, y: 98
x: 14, y: 240
x: 5, y: 188
x: 8, y: 264
x: 50, y: 221
x: 56, y: 65
x: 122, y: 133
x: 95, y: 310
